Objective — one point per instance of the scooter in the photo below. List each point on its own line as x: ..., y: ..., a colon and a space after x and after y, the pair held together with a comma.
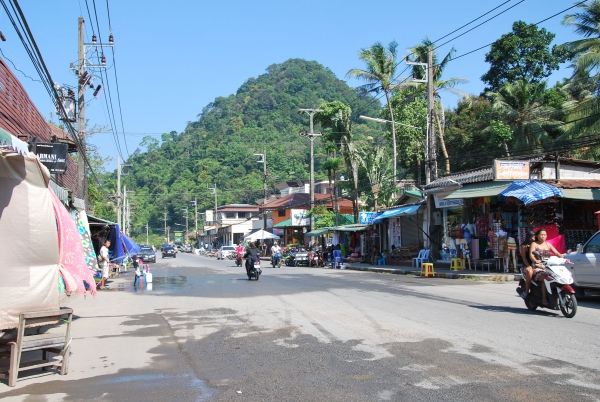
x: 559, y: 291
x: 276, y: 260
x: 254, y: 271
x: 238, y: 260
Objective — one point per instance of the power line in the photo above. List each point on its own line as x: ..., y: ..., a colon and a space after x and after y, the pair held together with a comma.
x: 537, y: 23
x: 40, y: 66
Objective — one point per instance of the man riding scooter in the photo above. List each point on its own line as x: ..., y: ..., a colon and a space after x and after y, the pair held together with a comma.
x: 251, y: 256
x: 276, y: 253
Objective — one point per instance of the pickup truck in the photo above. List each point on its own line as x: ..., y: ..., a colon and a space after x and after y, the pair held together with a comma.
x: 586, y: 264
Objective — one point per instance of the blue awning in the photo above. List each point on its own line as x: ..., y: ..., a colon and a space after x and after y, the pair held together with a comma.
x: 531, y: 191
x: 409, y: 210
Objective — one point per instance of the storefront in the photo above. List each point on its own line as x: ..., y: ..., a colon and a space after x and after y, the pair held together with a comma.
x: 398, y: 227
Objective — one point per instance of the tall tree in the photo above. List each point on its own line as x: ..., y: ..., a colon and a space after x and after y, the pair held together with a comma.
x: 380, y: 75
x: 522, y: 107
x: 523, y: 54
x: 376, y: 165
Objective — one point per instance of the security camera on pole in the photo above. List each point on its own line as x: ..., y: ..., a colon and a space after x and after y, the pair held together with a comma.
x: 311, y: 135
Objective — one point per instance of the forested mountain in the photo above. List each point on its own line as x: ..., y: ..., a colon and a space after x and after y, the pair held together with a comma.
x: 218, y: 148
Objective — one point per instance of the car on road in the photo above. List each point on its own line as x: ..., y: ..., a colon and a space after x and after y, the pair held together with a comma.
x: 224, y: 251
x: 586, y: 264
x: 146, y: 254
x: 169, y: 251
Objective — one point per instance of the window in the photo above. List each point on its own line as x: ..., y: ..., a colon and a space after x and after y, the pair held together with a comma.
x: 229, y: 215
x: 593, y: 246
x: 243, y: 215
x: 281, y: 212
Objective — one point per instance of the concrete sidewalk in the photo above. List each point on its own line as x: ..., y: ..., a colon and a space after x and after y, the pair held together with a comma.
x: 441, y: 270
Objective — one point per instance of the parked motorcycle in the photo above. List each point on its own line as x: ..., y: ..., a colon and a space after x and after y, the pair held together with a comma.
x: 254, y: 271
x: 289, y: 259
x: 560, y: 293
x: 301, y: 258
x: 317, y: 260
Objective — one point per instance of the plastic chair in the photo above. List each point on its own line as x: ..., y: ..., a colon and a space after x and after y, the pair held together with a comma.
x: 427, y: 270
x: 383, y: 260
x: 456, y: 264
x: 423, y: 258
x: 416, y: 260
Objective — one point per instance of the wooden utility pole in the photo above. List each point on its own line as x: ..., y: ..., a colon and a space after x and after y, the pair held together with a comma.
x: 264, y: 188
x: 119, y: 191
x: 432, y: 155
x: 311, y: 135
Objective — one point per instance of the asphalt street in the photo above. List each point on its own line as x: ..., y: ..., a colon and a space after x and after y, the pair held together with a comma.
x: 203, y: 332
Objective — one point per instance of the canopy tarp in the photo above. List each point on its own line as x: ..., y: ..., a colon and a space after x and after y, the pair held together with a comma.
x: 407, y: 210
x: 587, y: 194
x: 478, y: 190
x: 283, y: 224
x: 260, y: 235
x: 130, y: 245
x: 355, y: 227
x: 116, y: 253
x: 30, y: 261
x: 317, y: 232
x: 531, y: 191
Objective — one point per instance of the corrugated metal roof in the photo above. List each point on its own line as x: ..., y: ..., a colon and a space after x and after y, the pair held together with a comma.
x: 575, y: 183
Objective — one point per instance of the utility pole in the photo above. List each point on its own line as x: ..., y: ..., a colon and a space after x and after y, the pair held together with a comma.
x: 81, y: 85
x: 264, y: 162
x: 124, y: 213
x: 119, y: 190
x: 432, y: 143
x: 166, y: 233
x: 186, y: 225
x: 311, y: 135
x: 214, y: 191
x: 196, y: 219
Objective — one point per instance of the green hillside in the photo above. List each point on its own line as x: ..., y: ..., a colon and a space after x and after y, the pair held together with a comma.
x: 218, y: 148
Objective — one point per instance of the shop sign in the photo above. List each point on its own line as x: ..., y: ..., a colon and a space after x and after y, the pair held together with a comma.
x: 366, y: 218
x: 53, y: 155
x: 278, y: 232
x: 178, y: 237
x: 440, y: 202
x: 511, y: 170
x: 299, y: 217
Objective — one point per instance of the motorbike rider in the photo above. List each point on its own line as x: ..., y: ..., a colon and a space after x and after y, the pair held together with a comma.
x: 239, y: 251
x: 275, y: 252
x: 544, y: 248
x: 251, y: 256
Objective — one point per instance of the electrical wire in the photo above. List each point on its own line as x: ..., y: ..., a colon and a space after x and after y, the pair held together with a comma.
x: 40, y: 66
x: 537, y: 23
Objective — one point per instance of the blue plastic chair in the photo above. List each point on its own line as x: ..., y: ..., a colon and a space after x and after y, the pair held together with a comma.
x: 383, y: 260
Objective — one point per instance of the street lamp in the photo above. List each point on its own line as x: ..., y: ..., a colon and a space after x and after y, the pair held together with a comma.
x: 400, y: 124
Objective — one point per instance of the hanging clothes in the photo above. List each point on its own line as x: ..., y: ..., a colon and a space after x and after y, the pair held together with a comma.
x: 71, y: 252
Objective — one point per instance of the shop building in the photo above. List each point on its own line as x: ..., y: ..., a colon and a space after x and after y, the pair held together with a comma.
x: 485, y: 214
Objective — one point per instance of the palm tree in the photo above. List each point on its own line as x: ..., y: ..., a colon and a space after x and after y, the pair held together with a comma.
x: 376, y: 164
x: 380, y: 75
x: 521, y: 106
x: 419, y: 54
x: 586, y: 54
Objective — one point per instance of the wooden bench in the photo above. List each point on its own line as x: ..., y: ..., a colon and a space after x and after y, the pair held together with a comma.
x: 55, y: 343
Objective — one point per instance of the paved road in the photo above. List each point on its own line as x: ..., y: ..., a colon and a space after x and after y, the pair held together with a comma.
x: 206, y: 333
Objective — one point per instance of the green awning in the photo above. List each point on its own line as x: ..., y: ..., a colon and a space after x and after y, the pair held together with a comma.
x: 585, y: 194
x: 477, y: 190
x: 317, y: 232
x: 355, y: 227
x: 284, y: 224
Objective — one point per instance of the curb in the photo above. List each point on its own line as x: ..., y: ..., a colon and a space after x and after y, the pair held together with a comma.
x: 443, y: 275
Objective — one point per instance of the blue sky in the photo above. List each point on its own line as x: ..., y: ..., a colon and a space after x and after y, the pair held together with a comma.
x: 174, y: 57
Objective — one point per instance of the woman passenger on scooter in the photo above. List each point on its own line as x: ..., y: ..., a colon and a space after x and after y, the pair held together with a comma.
x: 527, y: 269
x: 544, y: 248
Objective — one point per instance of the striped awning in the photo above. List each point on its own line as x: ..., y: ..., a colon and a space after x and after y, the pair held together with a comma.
x: 531, y: 191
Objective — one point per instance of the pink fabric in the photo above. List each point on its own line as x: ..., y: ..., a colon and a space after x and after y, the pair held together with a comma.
x: 70, y: 249
x: 557, y: 240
